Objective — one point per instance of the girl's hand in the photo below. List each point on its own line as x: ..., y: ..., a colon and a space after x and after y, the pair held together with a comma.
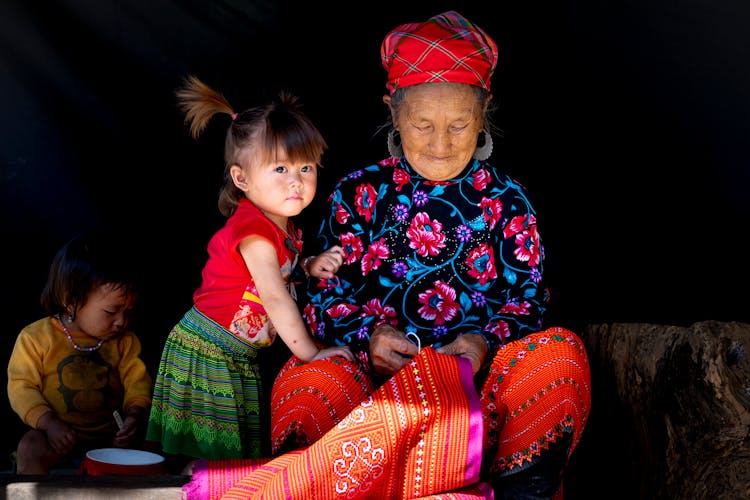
x: 330, y: 352
x: 325, y: 265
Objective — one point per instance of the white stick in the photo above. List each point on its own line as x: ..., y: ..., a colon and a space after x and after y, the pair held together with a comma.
x: 118, y: 419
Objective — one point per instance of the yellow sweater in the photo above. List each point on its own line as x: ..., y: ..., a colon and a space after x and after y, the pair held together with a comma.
x: 45, y: 373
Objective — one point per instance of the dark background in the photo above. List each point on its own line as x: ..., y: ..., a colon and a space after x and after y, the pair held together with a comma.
x: 628, y: 121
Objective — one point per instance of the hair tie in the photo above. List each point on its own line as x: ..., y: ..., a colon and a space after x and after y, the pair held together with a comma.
x: 234, y: 116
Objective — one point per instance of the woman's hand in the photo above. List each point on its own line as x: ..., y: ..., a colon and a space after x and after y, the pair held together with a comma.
x: 470, y: 346
x: 390, y: 350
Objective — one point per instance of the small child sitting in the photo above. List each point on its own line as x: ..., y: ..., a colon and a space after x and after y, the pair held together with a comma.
x: 70, y: 370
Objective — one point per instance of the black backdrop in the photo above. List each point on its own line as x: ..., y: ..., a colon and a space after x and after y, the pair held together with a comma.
x: 628, y: 121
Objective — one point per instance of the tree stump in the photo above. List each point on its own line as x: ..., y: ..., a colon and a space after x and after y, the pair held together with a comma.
x: 678, y: 399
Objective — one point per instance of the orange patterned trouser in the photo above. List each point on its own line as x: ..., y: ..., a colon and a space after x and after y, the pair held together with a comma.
x: 425, y: 433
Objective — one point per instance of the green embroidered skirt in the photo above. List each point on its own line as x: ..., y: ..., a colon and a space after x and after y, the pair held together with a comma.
x: 207, y: 393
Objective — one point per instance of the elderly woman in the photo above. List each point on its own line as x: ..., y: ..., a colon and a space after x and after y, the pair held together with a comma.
x: 458, y: 387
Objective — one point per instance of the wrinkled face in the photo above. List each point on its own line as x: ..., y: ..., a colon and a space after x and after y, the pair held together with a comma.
x: 106, y: 312
x: 280, y: 189
x: 439, y: 124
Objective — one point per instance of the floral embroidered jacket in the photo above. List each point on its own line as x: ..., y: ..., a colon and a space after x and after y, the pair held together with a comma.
x: 438, y: 259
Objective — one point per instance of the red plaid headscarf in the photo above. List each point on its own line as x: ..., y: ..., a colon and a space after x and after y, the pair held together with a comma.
x: 445, y: 48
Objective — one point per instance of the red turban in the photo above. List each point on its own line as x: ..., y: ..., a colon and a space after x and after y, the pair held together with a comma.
x: 445, y: 48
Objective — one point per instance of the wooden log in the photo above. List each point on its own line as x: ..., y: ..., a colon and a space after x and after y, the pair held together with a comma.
x: 683, y: 398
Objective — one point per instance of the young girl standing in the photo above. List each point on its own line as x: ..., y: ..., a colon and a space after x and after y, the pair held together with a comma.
x: 207, y: 395
x: 70, y: 370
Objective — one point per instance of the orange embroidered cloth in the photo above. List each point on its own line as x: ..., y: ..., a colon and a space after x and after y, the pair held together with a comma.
x: 417, y: 436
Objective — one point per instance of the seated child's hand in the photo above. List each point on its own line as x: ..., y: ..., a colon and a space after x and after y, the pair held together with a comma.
x: 128, y: 434
x: 62, y: 438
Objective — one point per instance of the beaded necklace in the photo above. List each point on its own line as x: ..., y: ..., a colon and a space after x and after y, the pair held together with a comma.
x: 76, y: 346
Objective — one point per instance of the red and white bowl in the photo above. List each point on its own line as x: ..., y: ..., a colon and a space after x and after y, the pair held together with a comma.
x: 122, y: 462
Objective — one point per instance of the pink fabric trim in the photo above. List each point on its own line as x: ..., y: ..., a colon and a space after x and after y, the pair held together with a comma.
x: 198, y: 486
x: 476, y: 427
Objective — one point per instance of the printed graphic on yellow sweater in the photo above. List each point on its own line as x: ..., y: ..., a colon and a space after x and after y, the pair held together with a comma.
x: 84, y: 383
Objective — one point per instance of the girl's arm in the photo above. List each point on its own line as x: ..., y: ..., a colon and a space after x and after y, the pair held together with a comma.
x: 25, y: 369
x: 262, y: 261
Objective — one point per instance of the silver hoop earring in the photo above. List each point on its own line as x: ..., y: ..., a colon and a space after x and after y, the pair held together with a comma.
x: 394, y: 148
x: 484, y: 151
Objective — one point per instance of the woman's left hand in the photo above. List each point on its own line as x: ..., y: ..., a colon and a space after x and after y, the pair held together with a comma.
x: 470, y: 346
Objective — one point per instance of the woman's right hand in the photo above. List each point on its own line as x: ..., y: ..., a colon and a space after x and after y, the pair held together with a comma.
x: 390, y: 350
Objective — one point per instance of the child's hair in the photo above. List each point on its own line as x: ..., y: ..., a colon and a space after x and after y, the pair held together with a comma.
x: 279, y: 125
x: 86, y: 262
